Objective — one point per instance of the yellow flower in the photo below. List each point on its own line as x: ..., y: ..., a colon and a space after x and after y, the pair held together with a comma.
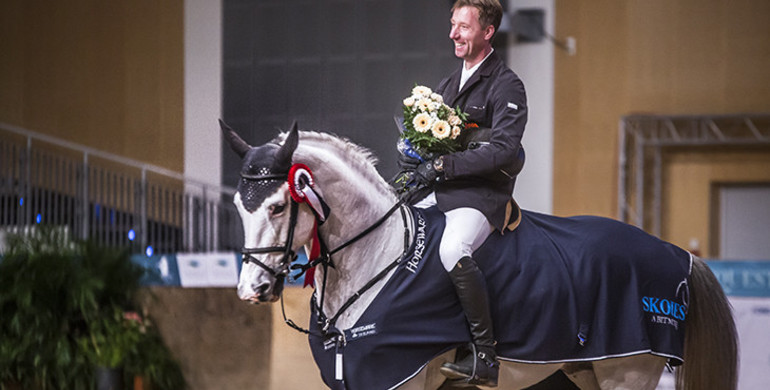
x: 441, y: 129
x: 437, y: 97
x: 455, y: 120
x: 421, y: 91
x: 455, y: 132
x: 409, y: 102
x: 422, y: 122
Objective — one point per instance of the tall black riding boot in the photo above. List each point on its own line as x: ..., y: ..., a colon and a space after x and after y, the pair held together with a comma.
x: 481, y: 366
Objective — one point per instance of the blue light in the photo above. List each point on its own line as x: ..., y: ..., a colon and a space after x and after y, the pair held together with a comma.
x: 148, y: 251
x: 39, y: 218
x: 131, y: 235
x: 21, y: 201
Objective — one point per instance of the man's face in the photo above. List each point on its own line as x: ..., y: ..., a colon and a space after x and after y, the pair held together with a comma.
x: 470, y: 38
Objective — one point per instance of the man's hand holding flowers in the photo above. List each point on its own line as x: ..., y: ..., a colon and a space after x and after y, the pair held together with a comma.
x: 431, y: 129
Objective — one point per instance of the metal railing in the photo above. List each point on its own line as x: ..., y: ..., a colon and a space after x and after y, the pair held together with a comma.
x: 110, y: 200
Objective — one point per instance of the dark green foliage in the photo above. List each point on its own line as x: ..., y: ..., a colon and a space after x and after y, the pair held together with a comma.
x: 154, y: 362
x: 58, y: 301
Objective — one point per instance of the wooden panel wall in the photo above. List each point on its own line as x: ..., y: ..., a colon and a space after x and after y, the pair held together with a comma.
x: 690, y: 182
x: 219, y: 341
x: 101, y: 73
x: 662, y: 57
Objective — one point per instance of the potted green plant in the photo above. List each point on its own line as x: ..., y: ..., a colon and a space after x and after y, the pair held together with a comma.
x: 151, y: 361
x: 111, y: 338
x: 63, y: 312
x: 123, y: 345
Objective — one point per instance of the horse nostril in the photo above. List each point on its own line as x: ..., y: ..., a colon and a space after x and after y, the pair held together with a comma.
x: 262, y: 288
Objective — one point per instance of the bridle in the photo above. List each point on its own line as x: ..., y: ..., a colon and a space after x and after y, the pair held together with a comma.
x: 281, y: 271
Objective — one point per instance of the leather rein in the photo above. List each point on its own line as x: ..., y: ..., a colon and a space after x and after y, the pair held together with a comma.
x: 325, y: 259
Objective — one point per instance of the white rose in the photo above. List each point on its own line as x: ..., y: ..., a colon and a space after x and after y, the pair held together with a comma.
x: 421, y: 91
x: 455, y: 132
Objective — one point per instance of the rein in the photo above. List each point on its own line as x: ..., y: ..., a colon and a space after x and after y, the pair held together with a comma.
x: 326, y: 322
x: 325, y: 258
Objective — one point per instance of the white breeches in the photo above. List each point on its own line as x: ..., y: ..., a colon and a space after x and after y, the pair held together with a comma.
x: 466, y: 229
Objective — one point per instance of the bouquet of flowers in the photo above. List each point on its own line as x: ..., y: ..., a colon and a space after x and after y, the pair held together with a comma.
x: 431, y: 127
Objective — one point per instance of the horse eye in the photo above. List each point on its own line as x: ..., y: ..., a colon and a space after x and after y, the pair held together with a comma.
x: 277, y: 208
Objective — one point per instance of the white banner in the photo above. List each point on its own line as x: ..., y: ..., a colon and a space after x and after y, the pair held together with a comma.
x: 208, y: 269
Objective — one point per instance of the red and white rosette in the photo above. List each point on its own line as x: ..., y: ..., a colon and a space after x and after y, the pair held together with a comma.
x: 301, y: 188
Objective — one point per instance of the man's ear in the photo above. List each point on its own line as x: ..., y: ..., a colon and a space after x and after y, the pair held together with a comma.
x: 489, y: 32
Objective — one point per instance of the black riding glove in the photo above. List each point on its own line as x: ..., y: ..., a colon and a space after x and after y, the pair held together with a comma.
x: 426, y: 174
x: 407, y: 163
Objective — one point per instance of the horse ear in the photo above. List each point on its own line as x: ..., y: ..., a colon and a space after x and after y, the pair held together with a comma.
x: 284, y: 154
x: 239, y: 146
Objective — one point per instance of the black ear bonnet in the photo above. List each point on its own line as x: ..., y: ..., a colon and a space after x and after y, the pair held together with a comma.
x: 265, y: 168
x: 260, y: 162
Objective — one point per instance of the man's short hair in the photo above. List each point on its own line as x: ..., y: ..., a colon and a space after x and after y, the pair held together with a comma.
x: 490, y: 11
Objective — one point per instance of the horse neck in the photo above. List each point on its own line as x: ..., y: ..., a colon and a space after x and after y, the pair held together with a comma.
x: 357, y: 200
x: 356, y: 265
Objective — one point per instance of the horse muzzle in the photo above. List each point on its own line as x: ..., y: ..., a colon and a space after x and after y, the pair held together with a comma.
x: 263, y: 292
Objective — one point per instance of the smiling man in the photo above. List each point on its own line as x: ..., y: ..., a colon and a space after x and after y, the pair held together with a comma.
x: 472, y: 40
x: 474, y: 186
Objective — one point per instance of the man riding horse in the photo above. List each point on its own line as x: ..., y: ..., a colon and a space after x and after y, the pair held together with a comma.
x: 474, y: 187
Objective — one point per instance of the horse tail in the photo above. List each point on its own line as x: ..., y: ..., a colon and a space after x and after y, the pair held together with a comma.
x: 711, y: 340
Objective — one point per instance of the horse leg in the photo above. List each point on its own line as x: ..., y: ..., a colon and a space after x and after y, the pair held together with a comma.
x: 521, y: 375
x: 429, y: 377
x: 582, y: 375
x: 638, y: 372
x: 512, y: 375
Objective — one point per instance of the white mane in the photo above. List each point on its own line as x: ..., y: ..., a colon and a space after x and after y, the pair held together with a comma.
x: 324, y: 148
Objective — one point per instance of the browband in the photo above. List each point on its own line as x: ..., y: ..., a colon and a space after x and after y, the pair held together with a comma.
x: 276, y: 176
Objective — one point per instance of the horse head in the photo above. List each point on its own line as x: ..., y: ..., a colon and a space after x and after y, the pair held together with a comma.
x: 274, y: 225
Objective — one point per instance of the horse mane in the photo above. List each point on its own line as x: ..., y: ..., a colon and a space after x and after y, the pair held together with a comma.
x: 355, y: 156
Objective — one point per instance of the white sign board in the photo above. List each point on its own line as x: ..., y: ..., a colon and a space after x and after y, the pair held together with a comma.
x: 208, y: 269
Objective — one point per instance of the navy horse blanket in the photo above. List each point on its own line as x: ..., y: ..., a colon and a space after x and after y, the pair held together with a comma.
x: 561, y: 290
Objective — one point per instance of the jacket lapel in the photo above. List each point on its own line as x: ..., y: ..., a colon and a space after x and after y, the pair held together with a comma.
x: 450, y: 91
x: 484, y: 71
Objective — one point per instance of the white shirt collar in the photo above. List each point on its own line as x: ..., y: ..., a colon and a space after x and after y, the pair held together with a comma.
x: 467, y: 73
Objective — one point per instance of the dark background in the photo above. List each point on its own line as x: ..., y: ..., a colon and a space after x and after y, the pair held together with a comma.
x: 338, y: 66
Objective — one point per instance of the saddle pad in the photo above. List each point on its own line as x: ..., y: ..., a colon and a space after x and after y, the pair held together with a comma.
x: 561, y: 289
